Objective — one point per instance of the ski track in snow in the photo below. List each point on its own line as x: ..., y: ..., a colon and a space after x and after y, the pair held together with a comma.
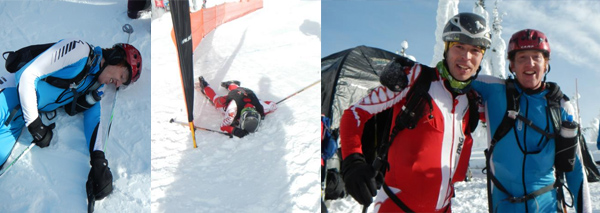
x: 271, y: 51
x: 53, y: 179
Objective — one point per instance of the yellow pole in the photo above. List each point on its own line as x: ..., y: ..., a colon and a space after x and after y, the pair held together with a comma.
x: 193, y: 133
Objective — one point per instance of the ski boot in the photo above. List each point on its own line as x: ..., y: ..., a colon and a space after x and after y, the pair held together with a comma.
x: 203, y: 84
x: 227, y: 83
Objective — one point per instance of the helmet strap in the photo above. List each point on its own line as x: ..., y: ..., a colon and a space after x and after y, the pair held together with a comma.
x: 546, y: 74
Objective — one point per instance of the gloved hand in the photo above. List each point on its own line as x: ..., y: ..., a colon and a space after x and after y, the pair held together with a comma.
x: 394, y: 75
x: 359, y: 178
x: 42, y: 134
x: 99, y: 183
x: 240, y: 133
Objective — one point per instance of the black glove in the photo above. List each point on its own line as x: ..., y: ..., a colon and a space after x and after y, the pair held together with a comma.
x: 359, y: 178
x: 42, y: 134
x: 393, y: 75
x: 99, y: 183
x: 240, y: 133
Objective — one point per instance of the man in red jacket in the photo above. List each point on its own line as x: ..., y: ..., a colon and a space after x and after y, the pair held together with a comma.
x: 424, y: 161
x: 242, y: 109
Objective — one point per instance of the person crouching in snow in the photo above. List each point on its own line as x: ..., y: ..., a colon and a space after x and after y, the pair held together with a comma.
x: 242, y: 109
x: 71, y: 74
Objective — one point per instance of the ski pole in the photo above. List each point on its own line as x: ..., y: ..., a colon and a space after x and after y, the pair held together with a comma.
x: 112, y: 113
x: 197, y: 127
x: 289, y: 96
x: 15, y: 160
x: 128, y: 29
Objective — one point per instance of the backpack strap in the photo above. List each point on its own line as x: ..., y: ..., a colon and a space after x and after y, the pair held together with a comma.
x: 73, y: 82
x: 507, y: 123
x: 395, y: 199
x: 554, y: 97
x: 512, y: 110
x: 474, y: 101
x: 411, y: 112
x: 416, y: 98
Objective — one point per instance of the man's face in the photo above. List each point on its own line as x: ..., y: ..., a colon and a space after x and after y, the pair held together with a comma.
x: 529, y: 67
x: 114, y: 74
x: 463, y: 60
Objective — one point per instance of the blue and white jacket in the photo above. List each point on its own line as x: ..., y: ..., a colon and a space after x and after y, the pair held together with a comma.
x: 65, y: 60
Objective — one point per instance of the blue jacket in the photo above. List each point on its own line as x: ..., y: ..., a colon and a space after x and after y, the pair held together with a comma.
x: 21, y: 105
x: 523, y: 159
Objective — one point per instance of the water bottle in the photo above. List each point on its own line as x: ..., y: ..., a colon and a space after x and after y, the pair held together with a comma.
x: 566, y: 146
x: 92, y: 97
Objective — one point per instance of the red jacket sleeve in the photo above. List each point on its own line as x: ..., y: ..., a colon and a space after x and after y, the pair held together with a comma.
x: 379, y: 99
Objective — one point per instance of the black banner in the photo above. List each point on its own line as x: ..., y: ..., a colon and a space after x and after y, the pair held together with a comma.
x: 180, y: 13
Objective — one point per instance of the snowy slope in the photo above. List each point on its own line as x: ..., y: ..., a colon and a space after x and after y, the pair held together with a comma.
x: 273, y: 51
x: 53, y: 179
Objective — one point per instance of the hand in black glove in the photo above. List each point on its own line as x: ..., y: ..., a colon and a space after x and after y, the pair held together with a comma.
x: 99, y: 183
x: 359, y: 178
x: 240, y: 133
x: 394, y: 76
x: 42, y: 134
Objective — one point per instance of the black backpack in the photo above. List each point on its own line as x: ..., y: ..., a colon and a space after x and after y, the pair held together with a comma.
x: 15, y: 60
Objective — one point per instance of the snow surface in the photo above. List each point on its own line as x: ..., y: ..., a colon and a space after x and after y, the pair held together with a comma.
x: 53, y: 179
x: 273, y: 51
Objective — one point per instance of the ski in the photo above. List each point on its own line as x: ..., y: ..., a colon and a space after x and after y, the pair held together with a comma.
x: 197, y: 127
x: 289, y: 96
x: 16, y: 159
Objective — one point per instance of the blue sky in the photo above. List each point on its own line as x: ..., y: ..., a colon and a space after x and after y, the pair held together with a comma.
x: 571, y: 26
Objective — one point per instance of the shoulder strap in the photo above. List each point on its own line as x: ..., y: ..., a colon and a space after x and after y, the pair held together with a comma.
x: 554, y: 97
x: 68, y: 83
x: 412, y: 111
x: 512, y: 110
x: 416, y: 98
x: 474, y: 101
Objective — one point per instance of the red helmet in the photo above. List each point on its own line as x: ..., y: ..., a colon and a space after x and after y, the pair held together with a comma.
x: 134, y: 59
x: 528, y: 39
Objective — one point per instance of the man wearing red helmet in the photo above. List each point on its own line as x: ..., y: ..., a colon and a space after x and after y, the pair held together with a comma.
x: 70, y: 74
x: 524, y: 163
x: 242, y: 109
